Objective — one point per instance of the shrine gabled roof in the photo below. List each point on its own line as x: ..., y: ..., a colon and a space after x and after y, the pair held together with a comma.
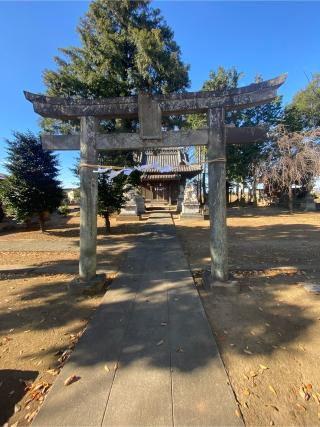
x: 175, y: 158
x: 162, y: 177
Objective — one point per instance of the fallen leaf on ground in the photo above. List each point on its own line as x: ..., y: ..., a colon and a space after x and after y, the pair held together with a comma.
x: 71, y: 379
x: 65, y: 355
x: 237, y: 412
x: 273, y: 407
x: 247, y: 351
x: 253, y: 374
x: 263, y: 367
x: 179, y: 350
x: 304, y: 394
x: 106, y: 368
x: 36, y: 391
x: 160, y: 342
x: 30, y: 416
x: 303, y: 408
x: 272, y: 389
x: 246, y: 392
x: 53, y: 371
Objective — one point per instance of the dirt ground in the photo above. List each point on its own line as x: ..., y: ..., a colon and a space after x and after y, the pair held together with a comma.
x: 40, y: 320
x: 268, y: 334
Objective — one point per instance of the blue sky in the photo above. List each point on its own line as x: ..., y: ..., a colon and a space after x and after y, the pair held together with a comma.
x: 257, y: 37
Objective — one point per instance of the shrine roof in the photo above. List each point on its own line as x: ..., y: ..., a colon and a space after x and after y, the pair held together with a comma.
x: 161, y: 177
x: 176, y: 158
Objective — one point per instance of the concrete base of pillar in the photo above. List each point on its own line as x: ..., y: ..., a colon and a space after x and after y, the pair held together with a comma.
x: 93, y: 286
x: 210, y: 284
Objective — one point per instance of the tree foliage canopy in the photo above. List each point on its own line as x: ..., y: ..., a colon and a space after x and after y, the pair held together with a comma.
x: 243, y: 158
x: 306, y: 103
x: 32, y: 187
x: 126, y: 46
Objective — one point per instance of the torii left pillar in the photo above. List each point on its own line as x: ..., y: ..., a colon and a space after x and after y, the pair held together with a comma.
x: 88, y: 198
x: 217, y: 194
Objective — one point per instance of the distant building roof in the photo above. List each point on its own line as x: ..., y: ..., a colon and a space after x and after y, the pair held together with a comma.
x: 161, y: 177
x: 172, y: 157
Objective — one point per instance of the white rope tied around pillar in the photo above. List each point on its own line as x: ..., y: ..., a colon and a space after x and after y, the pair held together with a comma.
x: 218, y: 159
x: 87, y: 165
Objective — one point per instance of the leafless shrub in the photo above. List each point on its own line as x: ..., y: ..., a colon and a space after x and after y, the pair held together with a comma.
x: 293, y: 158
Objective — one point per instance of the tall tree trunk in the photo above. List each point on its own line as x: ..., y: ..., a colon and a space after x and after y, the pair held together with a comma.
x: 290, y: 199
x: 107, y: 223
x: 27, y: 221
x: 227, y: 192
x: 254, y: 191
x: 42, y: 221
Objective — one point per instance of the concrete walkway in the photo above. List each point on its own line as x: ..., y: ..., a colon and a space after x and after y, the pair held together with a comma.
x: 148, y: 357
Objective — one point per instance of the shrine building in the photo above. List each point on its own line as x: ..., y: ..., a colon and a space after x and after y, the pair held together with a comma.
x: 166, y: 177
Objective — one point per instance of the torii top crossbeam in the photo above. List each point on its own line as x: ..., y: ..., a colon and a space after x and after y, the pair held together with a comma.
x: 149, y: 109
x: 177, y: 103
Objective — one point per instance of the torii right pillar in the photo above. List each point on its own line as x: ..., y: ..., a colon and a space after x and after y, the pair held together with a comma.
x: 217, y: 194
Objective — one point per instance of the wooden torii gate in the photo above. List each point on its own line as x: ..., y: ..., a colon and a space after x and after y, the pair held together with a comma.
x: 149, y: 109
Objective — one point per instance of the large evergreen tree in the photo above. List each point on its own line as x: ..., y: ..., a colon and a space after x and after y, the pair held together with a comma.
x: 126, y: 46
x: 32, y: 188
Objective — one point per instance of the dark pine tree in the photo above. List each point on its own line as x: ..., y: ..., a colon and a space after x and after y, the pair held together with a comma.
x: 32, y: 188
